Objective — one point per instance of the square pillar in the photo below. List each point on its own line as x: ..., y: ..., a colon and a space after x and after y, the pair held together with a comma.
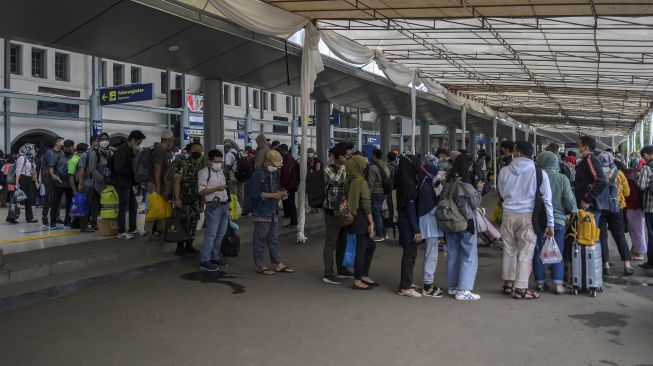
x: 452, y: 138
x: 386, y: 132
x: 323, y: 129
x: 213, y: 114
x: 424, y: 138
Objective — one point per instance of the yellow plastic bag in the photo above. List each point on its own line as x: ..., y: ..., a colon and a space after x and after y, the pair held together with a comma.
x: 497, y: 215
x: 157, y: 208
x: 234, y: 208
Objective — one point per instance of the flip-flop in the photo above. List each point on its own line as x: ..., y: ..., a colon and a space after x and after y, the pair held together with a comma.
x: 265, y: 271
x: 285, y: 269
x: 525, y: 295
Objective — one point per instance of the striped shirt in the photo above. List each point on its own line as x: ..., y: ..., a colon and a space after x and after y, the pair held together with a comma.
x: 645, y: 185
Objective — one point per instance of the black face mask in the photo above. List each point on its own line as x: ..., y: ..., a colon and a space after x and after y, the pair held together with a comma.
x: 196, y: 155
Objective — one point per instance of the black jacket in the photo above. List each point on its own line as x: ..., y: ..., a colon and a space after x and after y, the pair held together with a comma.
x: 123, y: 169
x: 590, y: 180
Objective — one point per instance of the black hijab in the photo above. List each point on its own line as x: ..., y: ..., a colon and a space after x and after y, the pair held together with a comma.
x: 406, y: 181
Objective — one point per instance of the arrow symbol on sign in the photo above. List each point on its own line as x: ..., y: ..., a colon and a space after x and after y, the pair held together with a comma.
x: 104, y: 97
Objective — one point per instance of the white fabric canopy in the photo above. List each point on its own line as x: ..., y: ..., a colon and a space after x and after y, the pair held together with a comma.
x: 260, y: 17
x: 346, y: 49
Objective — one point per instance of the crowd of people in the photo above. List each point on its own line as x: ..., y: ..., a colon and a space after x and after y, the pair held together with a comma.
x: 431, y: 200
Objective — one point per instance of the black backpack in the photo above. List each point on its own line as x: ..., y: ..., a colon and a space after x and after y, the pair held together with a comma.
x: 315, y: 188
x: 244, y: 168
x: 143, y: 165
x: 387, y: 183
x: 539, y: 209
x: 230, y: 243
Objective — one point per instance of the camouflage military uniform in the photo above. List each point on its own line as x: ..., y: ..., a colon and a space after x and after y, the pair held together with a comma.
x: 189, y: 213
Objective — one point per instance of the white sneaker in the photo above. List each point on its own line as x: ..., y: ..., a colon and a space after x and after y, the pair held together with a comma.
x: 410, y: 293
x: 452, y: 291
x: 136, y: 233
x: 125, y: 236
x: 467, y: 295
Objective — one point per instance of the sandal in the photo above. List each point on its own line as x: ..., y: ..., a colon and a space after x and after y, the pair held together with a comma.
x: 562, y: 292
x: 507, y: 290
x: 285, y: 269
x: 526, y: 295
x: 265, y: 271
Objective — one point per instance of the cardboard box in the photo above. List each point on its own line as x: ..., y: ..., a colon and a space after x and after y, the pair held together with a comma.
x: 107, y: 227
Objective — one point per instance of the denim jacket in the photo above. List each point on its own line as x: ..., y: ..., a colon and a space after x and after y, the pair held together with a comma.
x: 264, y: 182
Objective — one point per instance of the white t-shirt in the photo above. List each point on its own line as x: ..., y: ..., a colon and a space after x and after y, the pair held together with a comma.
x: 230, y: 160
x: 204, y: 180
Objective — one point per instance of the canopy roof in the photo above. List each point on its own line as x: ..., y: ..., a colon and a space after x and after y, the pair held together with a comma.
x: 562, y: 65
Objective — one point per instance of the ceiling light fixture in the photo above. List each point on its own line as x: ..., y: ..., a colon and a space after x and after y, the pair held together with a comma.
x: 173, y: 48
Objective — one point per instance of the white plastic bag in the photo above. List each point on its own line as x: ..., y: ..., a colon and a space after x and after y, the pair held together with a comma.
x: 550, y: 252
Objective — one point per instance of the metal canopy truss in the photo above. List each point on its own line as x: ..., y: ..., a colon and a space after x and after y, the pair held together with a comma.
x: 554, y: 64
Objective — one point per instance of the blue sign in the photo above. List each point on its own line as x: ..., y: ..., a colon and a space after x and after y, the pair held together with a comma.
x: 97, y: 128
x: 373, y: 139
x: 186, y: 134
x: 241, y: 136
x: 334, y: 120
x: 127, y: 94
x: 240, y: 125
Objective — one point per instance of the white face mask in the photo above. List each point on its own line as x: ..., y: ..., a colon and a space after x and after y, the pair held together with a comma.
x: 104, y: 144
x: 216, y: 166
x: 310, y: 155
x: 272, y: 168
x: 137, y: 148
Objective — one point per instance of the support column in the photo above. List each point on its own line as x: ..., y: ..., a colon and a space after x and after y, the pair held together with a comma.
x: 463, y: 123
x: 514, y: 134
x: 95, y: 112
x: 526, y: 135
x: 494, y: 149
x: 471, y: 147
x: 359, y: 131
x: 424, y: 138
x: 452, y: 138
x: 535, y: 140
x: 185, y: 121
x: 641, y: 134
x: 614, y: 148
x: 322, y: 128
x: 386, y: 133
x: 248, y: 118
x: 213, y: 113
x: 650, y: 129
x: 293, y: 130
x: 7, y: 101
x: 168, y: 116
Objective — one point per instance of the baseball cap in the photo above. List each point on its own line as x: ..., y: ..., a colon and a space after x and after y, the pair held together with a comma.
x: 274, y: 157
x: 167, y: 134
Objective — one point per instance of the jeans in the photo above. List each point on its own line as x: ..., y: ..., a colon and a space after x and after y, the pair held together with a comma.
x: 335, y: 240
x: 57, y: 193
x: 649, y: 235
x: 377, y: 204
x: 216, y: 219
x: 365, y: 248
x: 557, y: 269
x: 462, y: 260
x: 613, y: 221
x: 127, y: 202
x: 266, y: 232
x: 289, y: 208
x: 430, y: 260
x: 637, y: 230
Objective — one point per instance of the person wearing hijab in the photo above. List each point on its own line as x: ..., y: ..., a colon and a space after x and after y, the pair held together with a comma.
x: 613, y: 218
x: 428, y: 178
x: 409, y: 230
x: 262, y: 149
x: 564, y: 202
x: 462, y: 252
x: 25, y: 179
x: 359, y: 200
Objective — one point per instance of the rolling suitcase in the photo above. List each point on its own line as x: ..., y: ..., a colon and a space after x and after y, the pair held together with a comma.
x: 586, y: 269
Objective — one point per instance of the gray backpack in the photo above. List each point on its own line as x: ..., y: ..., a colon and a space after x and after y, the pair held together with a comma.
x: 450, y: 220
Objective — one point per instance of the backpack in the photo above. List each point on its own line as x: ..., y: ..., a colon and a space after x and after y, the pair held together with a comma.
x: 109, y: 203
x: 567, y: 171
x: 613, y: 190
x: 244, y: 167
x: 230, y: 243
x: 450, y: 220
x: 538, y: 217
x: 169, y: 181
x: 387, y: 183
x: 143, y: 165
x: 582, y: 228
x: 11, y: 174
x: 315, y: 189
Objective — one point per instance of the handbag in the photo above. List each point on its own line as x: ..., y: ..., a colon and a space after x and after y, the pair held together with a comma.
x: 19, y: 195
x: 79, y: 205
x: 350, y: 251
x: 550, y: 252
x: 176, y: 230
x: 344, y: 215
x: 14, y: 209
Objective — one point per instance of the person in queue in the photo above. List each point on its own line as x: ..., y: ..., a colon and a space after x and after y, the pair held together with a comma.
x: 377, y: 171
x: 635, y: 218
x: 156, y: 180
x: 564, y: 202
x: 409, y: 231
x: 645, y: 185
x: 123, y: 169
x: 212, y: 186
x: 26, y: 179
x: 428, y: 225
x: 186, y: 195
x: 52, y: 154
x: 590, y: 183
x: 58, y: 171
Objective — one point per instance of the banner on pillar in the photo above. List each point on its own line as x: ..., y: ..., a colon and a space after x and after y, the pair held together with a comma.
x: 97, y: 128
x: 186, y: 134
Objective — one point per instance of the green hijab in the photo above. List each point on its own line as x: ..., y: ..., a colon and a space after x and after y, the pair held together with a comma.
x: 357, y: 187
